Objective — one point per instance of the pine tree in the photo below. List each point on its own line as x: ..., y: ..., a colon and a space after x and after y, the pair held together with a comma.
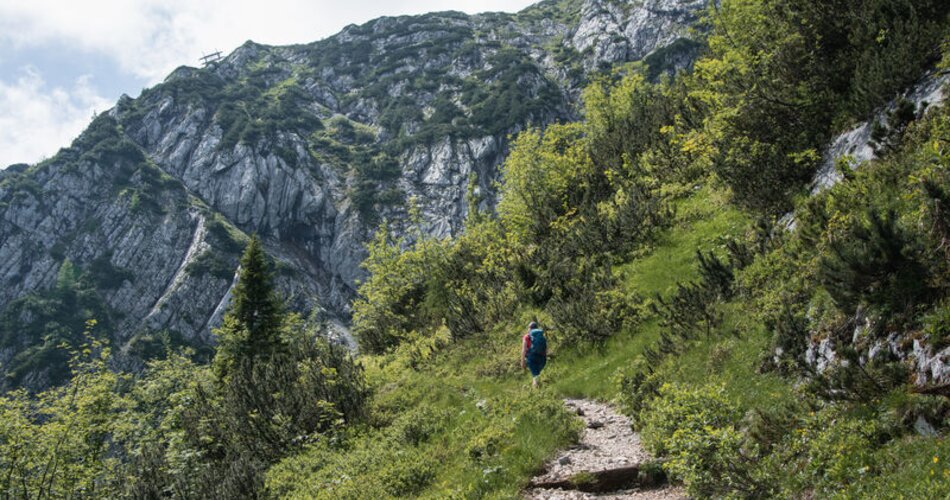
x: 876, y: 264
x: 251, y: 327
x: 255, y: 304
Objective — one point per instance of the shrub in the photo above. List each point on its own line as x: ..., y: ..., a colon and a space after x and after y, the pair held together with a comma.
x: 637, y: 385
x: 210, y: 262
x: 936, y: 324
x: 588, y: 304
x: 838, y: 449
x: 876, y: 263
x: 409, y: 473
x: 487, y: 444
x: 695, y: 429
x: 912, y: 467
x: 417, y: 426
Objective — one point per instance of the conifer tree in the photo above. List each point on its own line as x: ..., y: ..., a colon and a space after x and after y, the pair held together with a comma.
x: 255, y: 304
x: 251, y: 327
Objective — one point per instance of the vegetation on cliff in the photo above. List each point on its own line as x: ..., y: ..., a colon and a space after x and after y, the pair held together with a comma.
x: 645, y: 237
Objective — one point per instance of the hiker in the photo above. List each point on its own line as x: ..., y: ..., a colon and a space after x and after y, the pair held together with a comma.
x: 534, y: 352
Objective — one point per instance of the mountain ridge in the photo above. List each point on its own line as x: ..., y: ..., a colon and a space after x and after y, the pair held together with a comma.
x: 308, y: 145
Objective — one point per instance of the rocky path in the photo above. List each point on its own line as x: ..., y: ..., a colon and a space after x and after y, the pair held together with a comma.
x: 608, y: 462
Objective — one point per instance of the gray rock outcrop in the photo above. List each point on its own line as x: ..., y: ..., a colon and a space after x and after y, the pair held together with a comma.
x: 309, y: 146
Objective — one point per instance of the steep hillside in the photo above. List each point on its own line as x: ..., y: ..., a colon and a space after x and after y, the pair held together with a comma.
x: 750, y: 260
x: 310, y: 146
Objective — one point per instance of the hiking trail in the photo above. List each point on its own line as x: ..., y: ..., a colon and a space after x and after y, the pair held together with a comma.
x: 607, y: 463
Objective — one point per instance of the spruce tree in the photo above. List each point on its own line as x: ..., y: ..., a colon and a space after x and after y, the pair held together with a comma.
x: 255, y: 304
x: 251, y: 329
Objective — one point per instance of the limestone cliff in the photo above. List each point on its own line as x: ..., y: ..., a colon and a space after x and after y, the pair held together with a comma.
x: 310, y: 146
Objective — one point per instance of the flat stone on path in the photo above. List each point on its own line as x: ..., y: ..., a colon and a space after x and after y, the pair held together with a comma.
x: 607, y: 445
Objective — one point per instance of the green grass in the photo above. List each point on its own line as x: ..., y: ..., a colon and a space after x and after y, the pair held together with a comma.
x: 704, y: 221
x: 589, y: 370
x: 913, y: 467
x: 478, y: 388
x: 488, y: 432
x: 731, y: 360
x: 493, y: 430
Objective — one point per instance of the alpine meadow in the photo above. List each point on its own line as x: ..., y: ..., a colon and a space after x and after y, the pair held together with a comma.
x: 307, y: 271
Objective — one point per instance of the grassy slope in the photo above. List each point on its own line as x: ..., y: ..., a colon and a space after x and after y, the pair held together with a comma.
x: 475, y: 389
x: 485, y: 432
x: 704, y: 221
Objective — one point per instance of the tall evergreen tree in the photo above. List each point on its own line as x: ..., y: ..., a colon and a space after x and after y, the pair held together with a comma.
x: 251, y: 327
x: 255, y: 304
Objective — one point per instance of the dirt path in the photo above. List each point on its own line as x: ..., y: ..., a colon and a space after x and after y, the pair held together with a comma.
x: 607, y: 444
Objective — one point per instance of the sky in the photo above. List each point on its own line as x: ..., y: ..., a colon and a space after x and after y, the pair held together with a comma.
x: 62, y: 61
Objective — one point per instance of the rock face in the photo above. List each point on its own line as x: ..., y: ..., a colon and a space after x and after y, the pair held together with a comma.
x: 309, y: 146
x: 854, y: 144
x: 616, y: 31
x: 930, y: 367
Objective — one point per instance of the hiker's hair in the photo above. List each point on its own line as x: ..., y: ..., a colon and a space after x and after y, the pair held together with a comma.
x: 532, y: 325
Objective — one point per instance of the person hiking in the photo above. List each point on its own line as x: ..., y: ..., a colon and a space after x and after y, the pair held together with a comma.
x: 534, y: 352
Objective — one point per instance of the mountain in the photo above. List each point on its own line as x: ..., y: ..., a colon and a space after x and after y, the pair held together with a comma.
x: 140, y: 222
x: 749, y: 261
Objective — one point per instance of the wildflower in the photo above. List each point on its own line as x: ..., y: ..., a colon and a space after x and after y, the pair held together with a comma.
x: 936, y: 459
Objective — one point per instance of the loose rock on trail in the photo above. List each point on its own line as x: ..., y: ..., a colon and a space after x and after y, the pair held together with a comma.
x: 608, y: 462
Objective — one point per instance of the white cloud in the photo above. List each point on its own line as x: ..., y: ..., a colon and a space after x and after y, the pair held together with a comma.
x: 149, y: 38
x: 36, y: 120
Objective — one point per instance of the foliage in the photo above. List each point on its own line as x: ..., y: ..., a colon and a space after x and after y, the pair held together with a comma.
x: 252, y: 325
x: 263, y: 411
x: 487, y: 445
x: 873, y: 264
x: 177, y: 428
x: 839, y: 450
x: 57, y: 444
x: 444, y: 442
x: 39, y: 324
x: 208, y: 262
x: 249, y: 113
x: 726, y: 292
x: 696, y: 429
x: 914, y: 466
x: 637, y: 385
x: 390, y: 297
x: 539, y: 175
x: 714, y: 365
x: 587, y: 304
x: 463, y: 284
x: 671, y: 58
x: 774, y: 91
x: 886, y: 136
x: 508, y: 101
x: 133, y: 176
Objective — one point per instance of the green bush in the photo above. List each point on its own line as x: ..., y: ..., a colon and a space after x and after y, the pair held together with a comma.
x: 776, y: 92
x: 408, y: 473
x: 911, y: 467
x: 830, y: 449
x: 637, y: 385
x: 62, y: 442
x: 487, y: 444
x: 696, y: 429
x: 39, y: 325
x: 588, y: 304
x: 210, y: 263
x: 936, y: 324
x: 842, y: 450
x: 416, y: 426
